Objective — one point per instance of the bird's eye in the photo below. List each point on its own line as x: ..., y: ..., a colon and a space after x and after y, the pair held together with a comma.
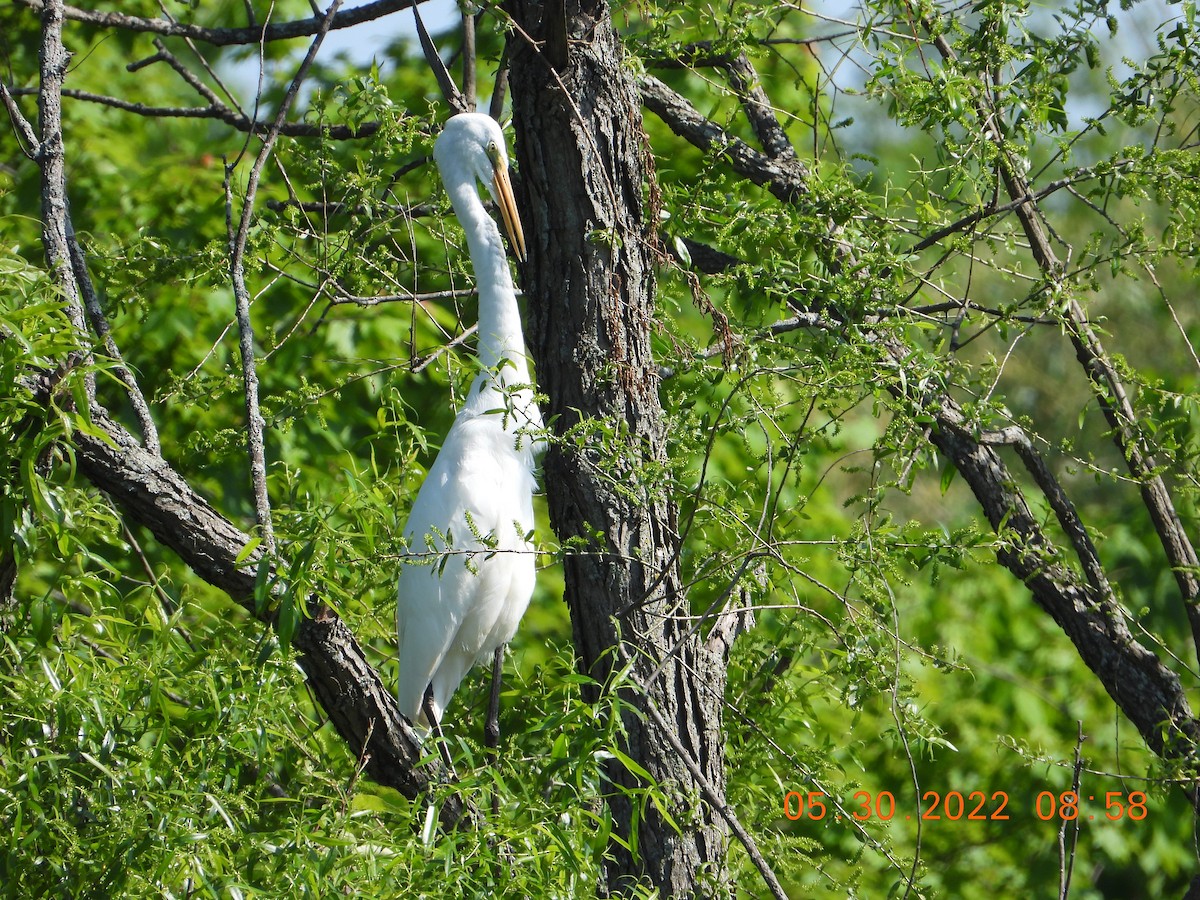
x: 493, y: 151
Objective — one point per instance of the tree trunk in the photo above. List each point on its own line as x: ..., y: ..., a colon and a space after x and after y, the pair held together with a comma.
x: 590, y: 288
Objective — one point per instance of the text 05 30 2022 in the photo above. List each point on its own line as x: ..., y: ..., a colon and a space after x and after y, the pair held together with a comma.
x: 966, y: 806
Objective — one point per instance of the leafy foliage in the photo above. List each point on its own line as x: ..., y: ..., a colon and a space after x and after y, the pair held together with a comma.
x: 157, y: 741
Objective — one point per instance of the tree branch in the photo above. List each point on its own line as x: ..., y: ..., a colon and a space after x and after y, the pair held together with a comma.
x: 225, y: 37
x: 1106, y: 383
x: 25, y: 132
x: 51, y: 158
x: 79, y: 275
x: 91, y: 302
x: 1146, y: 691
x: 220, y: 113
x: 468, y: 59
x: 786, y: 178
x: 360, y: 706
x: 1064, y: 509
x: 445, y: 80
x: 744, y: 81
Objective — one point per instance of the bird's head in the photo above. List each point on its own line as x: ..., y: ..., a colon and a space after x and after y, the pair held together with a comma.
x: 471, y: 145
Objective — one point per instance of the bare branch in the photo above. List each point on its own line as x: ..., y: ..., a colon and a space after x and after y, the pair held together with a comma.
x: 500, y: 88
x: 33, y: 147
x: 1064, y: 509
x: 52, y: 160
x: 91, y: 302
x: 225, y: 37
x: 717, y: 800
x: 1067, y: 857
x: 379, y: 300
x: 468, y: 59
x: 54, y: 184
x: 221, y: 113
x: 451, y: 93
x: 744, y: 81
x: 787, y: 179
x: 165, y: 55
x: 1147, y: 691
x: 337, y: 208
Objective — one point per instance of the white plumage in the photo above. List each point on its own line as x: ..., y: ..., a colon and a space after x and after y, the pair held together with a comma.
x: 470, y: 568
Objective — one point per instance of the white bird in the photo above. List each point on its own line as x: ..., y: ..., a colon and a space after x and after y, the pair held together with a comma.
x: 469, y: 569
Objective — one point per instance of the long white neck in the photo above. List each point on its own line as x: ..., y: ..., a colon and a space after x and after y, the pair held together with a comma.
x: 501, y: 344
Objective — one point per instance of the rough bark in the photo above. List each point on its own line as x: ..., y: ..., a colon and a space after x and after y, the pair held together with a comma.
x: 590, y: 289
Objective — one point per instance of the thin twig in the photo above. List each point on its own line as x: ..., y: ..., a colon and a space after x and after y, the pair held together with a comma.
x: 220, y: 113
x: 327, y: 208
x: 185, y: 73
x: 496, y: 104
x: 364, y: 759
x: 91, y: 302
x: 33, y: 146
x: 254, y: 419
x: 1067, y: 857
x: 342, y: 299
x: 169, y: 606
x: 715, y: 798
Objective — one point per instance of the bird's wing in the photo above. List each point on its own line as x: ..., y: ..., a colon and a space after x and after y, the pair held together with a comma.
x: 502, y: 591
x: 500, y: 587
x: 468, y: 593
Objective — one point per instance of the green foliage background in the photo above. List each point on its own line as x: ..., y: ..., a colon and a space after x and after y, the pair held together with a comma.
x: 158, y: 742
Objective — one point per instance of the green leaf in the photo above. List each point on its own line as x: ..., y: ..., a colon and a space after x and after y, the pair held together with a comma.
x: 631, y: 765
x: 245, y: 553
x: 949, y: 470
x: 287, y: 618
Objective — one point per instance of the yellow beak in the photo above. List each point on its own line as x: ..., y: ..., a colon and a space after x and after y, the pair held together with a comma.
x: 508, y: 211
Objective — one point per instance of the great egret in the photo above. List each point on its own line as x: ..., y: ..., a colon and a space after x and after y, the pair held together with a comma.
x: 470, y: 568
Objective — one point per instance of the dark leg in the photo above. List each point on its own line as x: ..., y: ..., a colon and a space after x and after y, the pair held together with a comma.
x: 436, y: 727
x: 491, y: 728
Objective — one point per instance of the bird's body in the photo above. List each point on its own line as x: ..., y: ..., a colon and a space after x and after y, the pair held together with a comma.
x: 469, y: 572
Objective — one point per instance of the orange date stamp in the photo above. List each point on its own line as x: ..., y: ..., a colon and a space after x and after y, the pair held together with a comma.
x: 974, y: 806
